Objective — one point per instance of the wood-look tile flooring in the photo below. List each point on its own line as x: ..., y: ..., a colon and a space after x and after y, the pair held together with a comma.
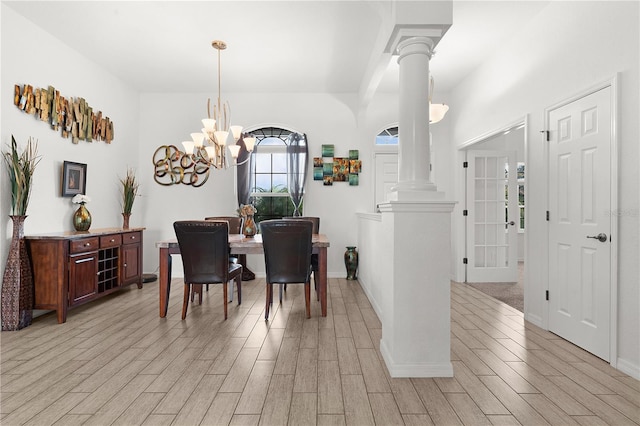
x: 116, y: 362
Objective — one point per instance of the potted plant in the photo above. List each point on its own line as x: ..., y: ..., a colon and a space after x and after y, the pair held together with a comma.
x: 21, y: 168
x: 129, y: 192
x: 17, y: 282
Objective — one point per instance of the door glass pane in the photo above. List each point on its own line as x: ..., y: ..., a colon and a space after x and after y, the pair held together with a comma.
x: 479, y: 190
x: 479, y: 258
x: 492, y: 191
x: 492, y: 170
x: 480, y: 167
x: 490, y: 257
x: 492, y: 234
x: 492, y: 212
x: 479, y: 213
x: 480, y: 239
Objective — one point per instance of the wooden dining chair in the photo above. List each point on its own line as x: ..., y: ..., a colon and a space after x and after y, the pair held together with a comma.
x: 287, y: 255
x: 204, y: 247
x: 235, y: 227
x: 314, y: 257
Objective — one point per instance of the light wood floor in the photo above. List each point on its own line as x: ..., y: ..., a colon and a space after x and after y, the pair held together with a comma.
x: 116, y: 362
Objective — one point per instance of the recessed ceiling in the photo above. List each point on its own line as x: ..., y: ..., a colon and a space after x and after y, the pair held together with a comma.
x: 273, y: 46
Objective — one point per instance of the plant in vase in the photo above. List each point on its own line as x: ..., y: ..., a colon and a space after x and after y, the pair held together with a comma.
x: 17, y: 283
x: 249, y: 227
x: 82, y: 217
x: 129, y: 192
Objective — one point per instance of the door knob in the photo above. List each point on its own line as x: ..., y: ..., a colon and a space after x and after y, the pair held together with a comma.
x: 600, y: 237
x: 511, y: 223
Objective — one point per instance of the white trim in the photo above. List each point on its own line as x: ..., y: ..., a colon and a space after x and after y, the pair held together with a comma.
x: 269, y: 194
x: 385, y: 149
x: 459, y: 220
x: 382, y: 129
x: 492, y: 133
x: 613, y: 320
x: 269, y: 125
x: 427, y: 369
x: 629, y: 368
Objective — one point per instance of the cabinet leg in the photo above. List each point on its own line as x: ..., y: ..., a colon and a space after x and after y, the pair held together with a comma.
x: 62, y: 315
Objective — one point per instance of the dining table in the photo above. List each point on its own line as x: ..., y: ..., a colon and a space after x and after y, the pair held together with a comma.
x: 239, y: 244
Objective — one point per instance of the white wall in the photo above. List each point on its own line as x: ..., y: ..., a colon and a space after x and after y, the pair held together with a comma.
x: 32, y: 56
x: 565, y: 49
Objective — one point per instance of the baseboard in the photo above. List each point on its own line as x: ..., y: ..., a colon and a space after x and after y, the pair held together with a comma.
x: 372, y: 300
x: 427, y: 369
x: 629, y: 368
x: 534, y: 319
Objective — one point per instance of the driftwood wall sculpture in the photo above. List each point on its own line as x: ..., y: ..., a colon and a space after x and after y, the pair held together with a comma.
x: 73, y: 118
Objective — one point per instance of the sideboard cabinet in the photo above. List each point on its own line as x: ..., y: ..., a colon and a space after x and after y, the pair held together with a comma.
x: 72, y: 268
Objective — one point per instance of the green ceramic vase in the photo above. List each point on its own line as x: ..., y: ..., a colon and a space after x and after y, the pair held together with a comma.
x: 351, y: 262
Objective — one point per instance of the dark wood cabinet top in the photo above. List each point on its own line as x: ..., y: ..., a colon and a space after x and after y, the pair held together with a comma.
x: 74, y: 235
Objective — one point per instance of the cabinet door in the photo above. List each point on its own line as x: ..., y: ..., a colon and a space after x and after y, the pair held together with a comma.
x: 131, y: 272
x: 83, y: 277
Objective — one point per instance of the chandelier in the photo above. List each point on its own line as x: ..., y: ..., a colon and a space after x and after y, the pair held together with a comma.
x: 207, y: 148
x: 436, y: 111
x: 216, y: 129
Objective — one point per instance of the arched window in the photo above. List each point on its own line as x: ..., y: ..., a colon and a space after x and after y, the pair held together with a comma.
x: 268, y: 173
x: 388, y: 137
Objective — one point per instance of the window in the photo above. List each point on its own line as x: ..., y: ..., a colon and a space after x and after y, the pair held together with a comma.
x: 520, y: 186
x: 268, y: 174
x: 520, y: 177
x: 388, y: 136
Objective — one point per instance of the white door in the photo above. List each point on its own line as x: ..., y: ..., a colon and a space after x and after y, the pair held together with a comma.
x: 492, y: 217
x: 579, y: 221
x: 386, y: 173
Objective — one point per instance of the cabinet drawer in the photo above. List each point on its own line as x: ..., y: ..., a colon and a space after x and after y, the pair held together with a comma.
x: 84, y: 244
x: 110, y: 241
x: 131, y: 237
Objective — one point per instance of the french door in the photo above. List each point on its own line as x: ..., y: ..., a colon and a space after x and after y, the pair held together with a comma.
x: 492, y: 216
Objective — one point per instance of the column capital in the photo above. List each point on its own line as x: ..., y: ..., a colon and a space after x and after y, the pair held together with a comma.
x: 415, y: 45
x: 401, y: 34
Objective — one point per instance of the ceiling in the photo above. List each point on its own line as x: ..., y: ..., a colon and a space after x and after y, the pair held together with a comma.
x: 273, y: 46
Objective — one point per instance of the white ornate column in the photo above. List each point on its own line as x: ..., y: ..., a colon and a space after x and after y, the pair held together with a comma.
x: 414, y: 154
x: 416, y: 236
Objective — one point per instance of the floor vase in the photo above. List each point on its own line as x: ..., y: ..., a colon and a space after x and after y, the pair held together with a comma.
x: 351, y: 262
x: 17, y: 282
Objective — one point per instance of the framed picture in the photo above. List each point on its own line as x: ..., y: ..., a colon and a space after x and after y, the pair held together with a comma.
x: 74, y: 178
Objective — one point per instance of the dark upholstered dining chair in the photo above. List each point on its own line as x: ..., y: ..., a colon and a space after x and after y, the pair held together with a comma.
x: 314, y: 257
x: 235, y: 222
x: 287, y: 256
x: 235, y: 227
x: 204, y: 247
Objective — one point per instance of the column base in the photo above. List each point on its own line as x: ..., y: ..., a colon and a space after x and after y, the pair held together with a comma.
x: 416, y: 320
x: 415, y: 191
x: 423, y: 369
